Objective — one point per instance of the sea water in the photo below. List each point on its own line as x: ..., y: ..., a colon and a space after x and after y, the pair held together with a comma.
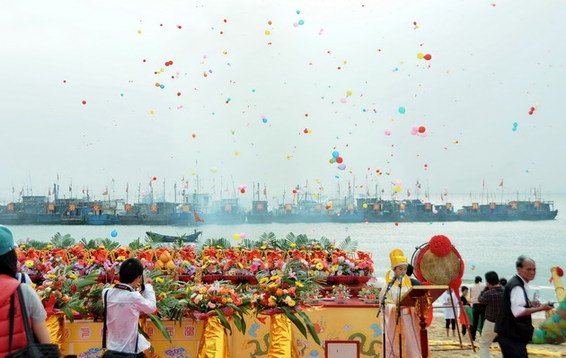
x: 484, y: 246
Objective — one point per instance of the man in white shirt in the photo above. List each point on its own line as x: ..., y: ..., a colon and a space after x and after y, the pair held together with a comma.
x: 514, y: 324
x: 123, y: 306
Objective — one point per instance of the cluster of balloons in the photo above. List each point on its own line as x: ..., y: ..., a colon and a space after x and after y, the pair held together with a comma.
x: 157, y: 84
x: 263, y: 119
x: 240, y: 236
x: 421, y: 56
x: 242, y: 188
x: 168, y: 63
x: 553, y: 329
x: 419, y: 131
x: 307, y: 131
x: 515, y: 125
x: 336, y: 158
x: 328, y: 205
x: 532, y: 110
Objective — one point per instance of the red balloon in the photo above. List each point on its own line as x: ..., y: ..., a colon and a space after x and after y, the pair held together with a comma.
x: 427, y: 57
x: 154, y: 178
x: 84, y: 102
x: 242, y: 191
x: 339, y: 160
x: 422, y: 129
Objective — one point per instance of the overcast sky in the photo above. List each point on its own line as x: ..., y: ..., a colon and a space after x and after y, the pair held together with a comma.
x: 249, y: 78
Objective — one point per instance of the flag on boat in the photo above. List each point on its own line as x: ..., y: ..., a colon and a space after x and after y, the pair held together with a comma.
x: 197, y: 218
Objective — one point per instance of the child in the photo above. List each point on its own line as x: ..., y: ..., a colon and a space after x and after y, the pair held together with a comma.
x: 123, y: 306
x: 466, y: 313
x: 450, y: 301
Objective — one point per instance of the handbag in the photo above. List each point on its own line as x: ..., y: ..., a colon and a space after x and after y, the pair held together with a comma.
x: 33, y: 349
x: 111, y: 353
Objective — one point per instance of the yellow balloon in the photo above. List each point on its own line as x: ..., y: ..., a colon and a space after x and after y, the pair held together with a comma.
x: 365, y: 206
x: 420, y: 56
x: 237, y: 153
x: 349, y: 93
x: 397, y: 189
x: 267, y: 32
x: 236, y: 237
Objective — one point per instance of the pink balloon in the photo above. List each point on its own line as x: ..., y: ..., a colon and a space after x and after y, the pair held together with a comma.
x: 425, y: 134
x: 343, y: 100
x: 387, y: 132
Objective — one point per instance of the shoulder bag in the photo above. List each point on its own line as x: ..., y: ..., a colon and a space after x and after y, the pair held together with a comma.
x: 33, y: 349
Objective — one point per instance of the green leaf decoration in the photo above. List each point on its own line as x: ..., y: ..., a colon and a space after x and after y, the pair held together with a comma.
x: 310, y: 327
x: 160, y: 326
x: 289, y: 313
x: 223, y: 320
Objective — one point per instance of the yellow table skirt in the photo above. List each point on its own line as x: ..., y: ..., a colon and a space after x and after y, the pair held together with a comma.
x: 84, y: 339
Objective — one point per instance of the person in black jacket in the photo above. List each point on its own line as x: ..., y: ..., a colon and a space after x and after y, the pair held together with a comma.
x: 514, y: 325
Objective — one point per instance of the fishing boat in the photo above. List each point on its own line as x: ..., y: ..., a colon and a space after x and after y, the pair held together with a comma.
x: 169, y: 238
x: 226, y: 212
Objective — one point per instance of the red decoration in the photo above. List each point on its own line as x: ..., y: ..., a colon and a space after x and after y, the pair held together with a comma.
x: 440, y: 245
x: 455, y: 284
x: 560, y: 272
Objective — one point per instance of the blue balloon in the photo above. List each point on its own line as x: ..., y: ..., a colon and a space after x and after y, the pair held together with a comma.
x: 335, y: 154
x: 114, y: 233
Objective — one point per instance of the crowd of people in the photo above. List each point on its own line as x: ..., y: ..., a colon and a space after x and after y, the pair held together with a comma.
x: 500, y: 310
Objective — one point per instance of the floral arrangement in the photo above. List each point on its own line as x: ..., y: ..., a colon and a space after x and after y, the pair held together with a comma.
x: 313, y: 295
x: 340, y: 292
x: 319, y: 260
x: 217, y: 299
x: 369, y: 292
x: 283, y: 293
x: 62, y: 289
